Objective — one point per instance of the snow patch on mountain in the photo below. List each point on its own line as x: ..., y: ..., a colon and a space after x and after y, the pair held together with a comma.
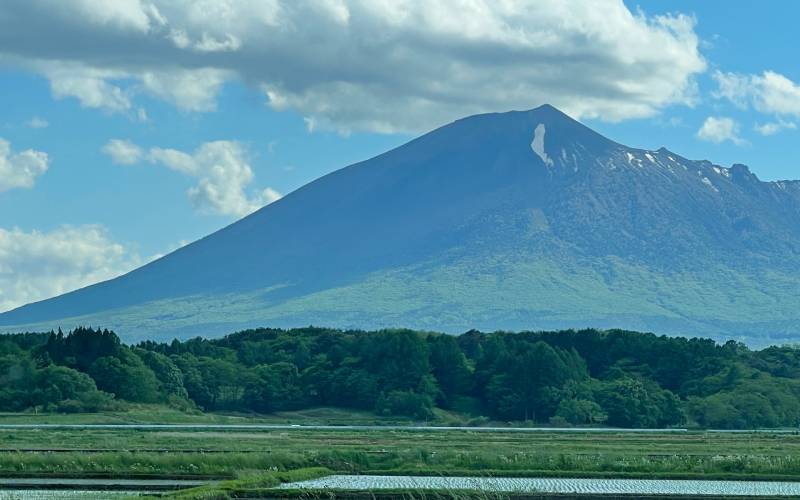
x: 537, y: 144
x: 708, y: 183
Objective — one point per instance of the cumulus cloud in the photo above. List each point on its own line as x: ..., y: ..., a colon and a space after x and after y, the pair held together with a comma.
x: 719, y: 130
x: 269, y: 195
x: 37, y: 122
x: 94, y: 88
x: 405, y: 65
x: 20, y: 170
x: 38, y: 265
x: 768, y: 92
x: 221, y: 168
x: 772, y: 128
x: 188, y: 90
x: 123, y: 152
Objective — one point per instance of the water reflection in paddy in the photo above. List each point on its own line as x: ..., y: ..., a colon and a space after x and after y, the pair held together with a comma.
x: 555, y: 485
x: 67, y: 495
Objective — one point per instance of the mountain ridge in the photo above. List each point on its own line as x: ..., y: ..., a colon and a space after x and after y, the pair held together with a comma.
x: 539, y: 196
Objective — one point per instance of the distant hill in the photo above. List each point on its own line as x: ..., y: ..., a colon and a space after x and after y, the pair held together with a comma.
x: 518, y: 220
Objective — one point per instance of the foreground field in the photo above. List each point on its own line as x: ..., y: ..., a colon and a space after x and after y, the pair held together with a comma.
x: 229, y: 453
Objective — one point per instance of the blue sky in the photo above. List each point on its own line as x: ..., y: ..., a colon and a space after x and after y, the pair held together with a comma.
x: 744, y: 38
x: 219, y: 107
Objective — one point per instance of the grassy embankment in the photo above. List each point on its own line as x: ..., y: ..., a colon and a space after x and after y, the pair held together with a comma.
x: 158, y: 414
x: 249, y: 485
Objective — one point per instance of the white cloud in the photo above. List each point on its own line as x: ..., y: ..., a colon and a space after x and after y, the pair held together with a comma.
x: 20, y: 170
x: 188, y: 90
x: 720, y: 129
x: 223, y: 173
x: 123, y: 152
x: 38, y: 265
x: 311, y: 124
x: 174, y: 159
x: 210, y: 44
x: 733, y: 87
x: 772, y: 128
x: 94, y: 88
x: 778, y: 95
x: 221, y: 168
x: 405, y: 65
x: 206, y: 43
x: 269, y: 195
x: 115, y: 90
x: 125, y: 15
x: 37, y: 122
x: 171, y: 248
x: 769, y: 92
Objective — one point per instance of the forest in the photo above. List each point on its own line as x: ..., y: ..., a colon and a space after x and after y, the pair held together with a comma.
x: 586, y: 377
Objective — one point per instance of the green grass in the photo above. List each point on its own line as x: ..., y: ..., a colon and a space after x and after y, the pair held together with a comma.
x: 247, y: 462
x: 231, y: 453
x: 158, y: 414
x: 248, y: 484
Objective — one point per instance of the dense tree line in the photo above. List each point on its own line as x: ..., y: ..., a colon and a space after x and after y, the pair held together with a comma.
x: 587, y: 377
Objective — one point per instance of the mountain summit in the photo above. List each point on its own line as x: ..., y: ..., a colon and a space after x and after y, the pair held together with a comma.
x: 518, y: 220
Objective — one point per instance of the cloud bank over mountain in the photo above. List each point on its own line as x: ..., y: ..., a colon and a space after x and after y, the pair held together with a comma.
x: 360, y: 65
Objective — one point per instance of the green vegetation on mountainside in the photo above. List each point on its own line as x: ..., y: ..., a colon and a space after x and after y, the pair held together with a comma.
x: 500, y: 291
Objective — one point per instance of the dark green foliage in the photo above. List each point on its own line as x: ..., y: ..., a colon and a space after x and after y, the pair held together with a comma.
x: 125, y: 376
x: 743, y: 397
x: 213, y: 383
x: 399, y: 358
x: 529, y: 379
x: 633, y: 402
x: 354, y: 387
x: 274, y: 387
x: 82, y: 347
x: 169, y: 377
x: 409, y: 403
x: 57, y: 372
x: 580, y: 412
x: 450, y: 367
x: 17, y: 371
x: 586, y: 377
x: 64, y: 389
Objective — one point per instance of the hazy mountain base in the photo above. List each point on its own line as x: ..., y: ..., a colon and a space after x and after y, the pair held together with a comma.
x: 511, y: 292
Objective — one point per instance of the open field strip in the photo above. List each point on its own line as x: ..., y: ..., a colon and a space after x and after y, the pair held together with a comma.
x: 226, y: 453
x: 427, y: 428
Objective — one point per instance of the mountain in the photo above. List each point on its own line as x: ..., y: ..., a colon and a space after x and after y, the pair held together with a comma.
x: 518, y: 220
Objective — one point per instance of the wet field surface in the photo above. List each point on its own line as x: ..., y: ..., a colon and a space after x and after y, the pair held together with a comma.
x: 552, y: 485
x: 33, y: 494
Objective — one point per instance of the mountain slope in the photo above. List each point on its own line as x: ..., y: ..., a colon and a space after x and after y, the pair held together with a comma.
x: 511, y: 220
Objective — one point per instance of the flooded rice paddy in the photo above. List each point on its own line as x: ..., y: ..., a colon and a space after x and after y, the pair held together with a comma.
x: 67, y: 495
x: 552, y: 485
x: 86, y: 489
